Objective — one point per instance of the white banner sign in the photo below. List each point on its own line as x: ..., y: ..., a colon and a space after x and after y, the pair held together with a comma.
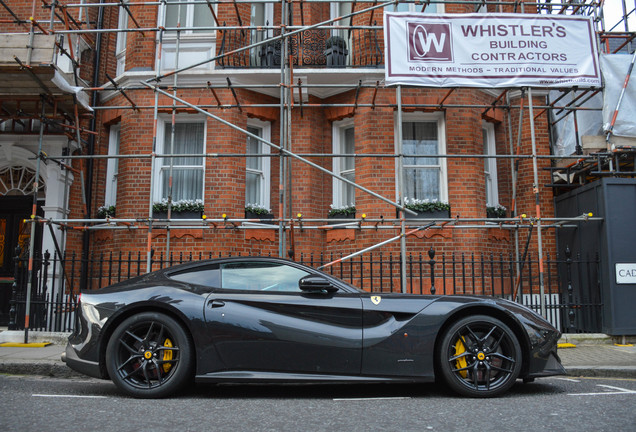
x: 490, y: 50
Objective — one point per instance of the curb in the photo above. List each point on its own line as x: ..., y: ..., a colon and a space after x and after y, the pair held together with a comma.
x: 17, y: 336
x: 594, y: 339
x: 52, y: 369
x: 601, y: 371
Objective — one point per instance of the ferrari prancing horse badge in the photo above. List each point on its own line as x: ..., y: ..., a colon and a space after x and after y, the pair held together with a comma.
x: 376, y: 300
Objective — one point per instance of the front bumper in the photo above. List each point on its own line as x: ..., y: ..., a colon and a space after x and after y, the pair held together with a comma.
x: 551, y: 367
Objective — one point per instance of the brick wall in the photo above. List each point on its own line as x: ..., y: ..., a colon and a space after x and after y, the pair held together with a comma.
x: 310, y: 191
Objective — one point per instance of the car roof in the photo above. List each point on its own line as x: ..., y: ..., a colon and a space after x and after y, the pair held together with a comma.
x: 223, y: 260
x: 166, y: 272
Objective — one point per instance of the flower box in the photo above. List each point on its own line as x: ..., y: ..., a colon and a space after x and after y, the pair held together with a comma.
x: 428, y: 214
x: 177, y: 215
x: 496, y: 212
x: 425, y: 209
x: 340, y: 216
x: 264, y: 217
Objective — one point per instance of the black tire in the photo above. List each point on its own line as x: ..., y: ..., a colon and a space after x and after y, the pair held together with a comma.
x: 479, y: 356
x: 149, y: 355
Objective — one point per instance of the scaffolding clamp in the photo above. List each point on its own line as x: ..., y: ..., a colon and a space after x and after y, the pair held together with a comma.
x: 123, y: 93
x: 229, y: 85
x: 375, y: 93
x: 36, y: 24
x: 218, y: 101
x: 300, y: 221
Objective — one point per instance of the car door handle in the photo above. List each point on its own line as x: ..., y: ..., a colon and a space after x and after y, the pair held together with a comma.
x: 216, y: 303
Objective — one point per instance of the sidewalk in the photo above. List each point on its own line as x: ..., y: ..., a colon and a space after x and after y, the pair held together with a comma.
x: 593, y: 356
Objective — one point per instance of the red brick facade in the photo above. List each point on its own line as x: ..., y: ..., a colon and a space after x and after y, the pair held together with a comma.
x: 309, y: 190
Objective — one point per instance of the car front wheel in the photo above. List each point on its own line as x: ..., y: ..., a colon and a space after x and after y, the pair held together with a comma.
x: 479, y: 356
x: 149, y: 355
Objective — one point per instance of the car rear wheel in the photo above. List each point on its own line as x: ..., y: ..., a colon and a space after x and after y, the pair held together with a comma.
x: 479, y: 356
x: 149, y: 355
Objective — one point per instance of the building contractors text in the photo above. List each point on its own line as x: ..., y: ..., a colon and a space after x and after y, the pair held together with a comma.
x: 493, y: 50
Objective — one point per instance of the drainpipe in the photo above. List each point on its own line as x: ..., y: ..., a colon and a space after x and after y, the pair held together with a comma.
x: 91, y: 151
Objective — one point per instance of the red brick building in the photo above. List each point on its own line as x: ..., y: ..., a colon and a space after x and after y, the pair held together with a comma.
x: 302, y: 96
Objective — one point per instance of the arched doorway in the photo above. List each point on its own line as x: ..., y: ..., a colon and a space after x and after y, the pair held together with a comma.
x: 16, y: 204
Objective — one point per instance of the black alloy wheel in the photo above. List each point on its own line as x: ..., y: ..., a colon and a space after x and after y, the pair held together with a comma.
x: 149, y: 355
x: 479, y: 356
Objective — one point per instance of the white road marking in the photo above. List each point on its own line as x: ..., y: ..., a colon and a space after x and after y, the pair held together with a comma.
x: 69, y: 396
x: 371, y: 399
x: 620, y: 391
x: 568, y: 379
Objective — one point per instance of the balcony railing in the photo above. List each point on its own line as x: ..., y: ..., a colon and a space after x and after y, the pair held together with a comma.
x: 308, y: 49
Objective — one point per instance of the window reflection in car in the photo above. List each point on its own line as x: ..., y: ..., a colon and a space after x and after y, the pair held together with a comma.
x: 261, y: 276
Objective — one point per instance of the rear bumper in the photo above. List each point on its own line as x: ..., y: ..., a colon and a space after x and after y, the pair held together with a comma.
x: 86, y: 367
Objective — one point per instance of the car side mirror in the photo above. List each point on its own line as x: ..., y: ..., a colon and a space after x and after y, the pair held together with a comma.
x: 315, y: 283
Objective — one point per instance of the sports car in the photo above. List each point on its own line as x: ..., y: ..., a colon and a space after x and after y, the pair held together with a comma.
x: 272, y: 320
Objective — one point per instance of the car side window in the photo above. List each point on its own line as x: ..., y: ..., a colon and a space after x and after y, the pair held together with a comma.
x: 209, y: 276
x: 260, y: 276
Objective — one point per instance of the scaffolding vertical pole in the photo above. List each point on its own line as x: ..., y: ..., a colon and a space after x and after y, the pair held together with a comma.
x: 282, y: 159
x: 513, y: 177
x: 34, y: 209
x: 535, y: 187
x: 400, y: 188
x: 289, y: 92
x: 172, y: 127
x: 153, y: 154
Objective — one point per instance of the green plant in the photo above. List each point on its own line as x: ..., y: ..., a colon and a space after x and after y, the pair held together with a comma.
x: 425, y: 205
x: 336, y: 41
x: 106, y: 211
x: 345, y: 210
x: 178, y: 206
x: 498, y: 211
x: 257, y: 209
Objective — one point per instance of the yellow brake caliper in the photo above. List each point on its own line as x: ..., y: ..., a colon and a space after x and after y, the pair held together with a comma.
x: 167, y: 355
x: 460, y: 362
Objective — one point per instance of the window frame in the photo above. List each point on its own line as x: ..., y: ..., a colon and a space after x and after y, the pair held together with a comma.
x: 193, y: 45
x: 491, y: 147
x: 265, y: 192
x: 112, y: 165
x: 162, y: 124
x: 338, y: 133
x: 420, y: 117
x: 120, y: 44
x: 413, y: 7
x: 190, y: 15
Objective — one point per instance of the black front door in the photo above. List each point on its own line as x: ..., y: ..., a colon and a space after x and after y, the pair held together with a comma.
x: 13, y: 232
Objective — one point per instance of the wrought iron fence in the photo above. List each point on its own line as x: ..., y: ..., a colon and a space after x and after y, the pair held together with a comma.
x: 309, y: 48
x: 571, y: 286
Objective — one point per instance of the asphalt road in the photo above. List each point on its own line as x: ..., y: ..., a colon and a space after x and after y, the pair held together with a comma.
x: 30, y: 403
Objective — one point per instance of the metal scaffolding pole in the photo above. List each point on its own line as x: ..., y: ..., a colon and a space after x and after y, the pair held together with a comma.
x: 282, y: 150
x: 535, y: 187
x: 286, y: 152
x: 285, y: 130
x: 400, y: 185
x: 34, y: 210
